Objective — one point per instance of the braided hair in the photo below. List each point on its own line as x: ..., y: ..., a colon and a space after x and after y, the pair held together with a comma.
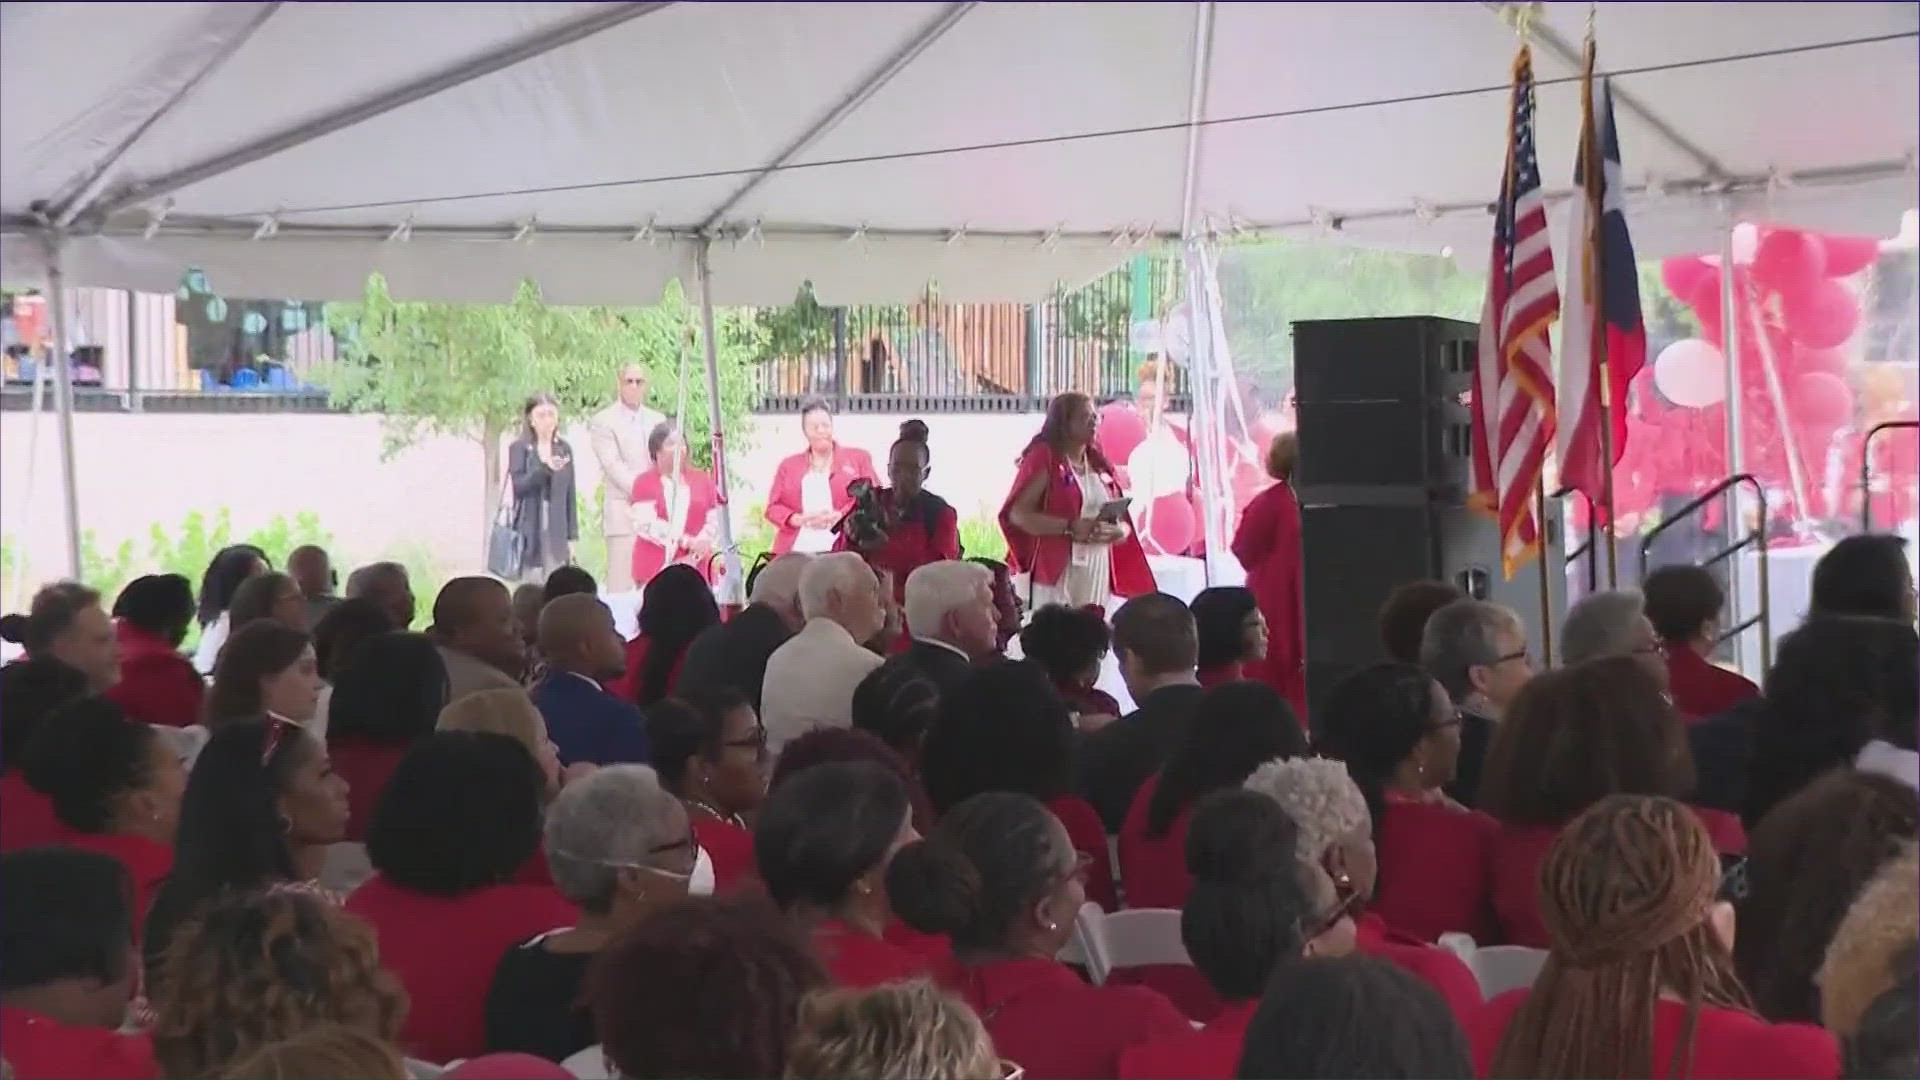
x: 1625, y: 893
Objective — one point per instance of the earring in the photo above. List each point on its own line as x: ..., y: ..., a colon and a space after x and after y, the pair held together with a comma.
x: 1343, y: 879
x: 1051, y: 926
x: 286, y: 825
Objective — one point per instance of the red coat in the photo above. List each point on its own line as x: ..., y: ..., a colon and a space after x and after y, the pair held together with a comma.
x: 444, y: 950
x: 1441, y: 969
x: 1154, y: 870
x: 1089, y: 839
x: 1046, y: 557
x: 366, y: 766
x: 784, y: 494
x: 42, y: 1048
x: 731, y: 849
x: 26, y: 816
x: 626, y: 686
x: 157, y: 685
x: 1727, y: 1044
x: 857, y: 960
x: 1436, y: 871
x: 910, y: 544
x: 1045, y: 1019
x: 650, y: 558
x: 147, y: 862
x: 1268, y: 545
x: 1700, y: 688
x: 1518, y: 852
x: 1212, y: 1053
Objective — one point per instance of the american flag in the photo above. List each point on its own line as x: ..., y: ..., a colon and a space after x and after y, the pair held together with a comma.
x: 1512, y: 399
x: 1604, y: 344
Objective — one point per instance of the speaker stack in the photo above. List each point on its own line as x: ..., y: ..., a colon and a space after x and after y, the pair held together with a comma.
x: 1384, y: 471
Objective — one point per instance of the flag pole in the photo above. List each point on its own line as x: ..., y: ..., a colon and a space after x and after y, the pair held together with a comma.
x: 1546, y: 590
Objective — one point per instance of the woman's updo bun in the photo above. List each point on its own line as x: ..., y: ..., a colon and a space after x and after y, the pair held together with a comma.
x: 977, y: 877
x: 914, y: 431
x: 934, y: 888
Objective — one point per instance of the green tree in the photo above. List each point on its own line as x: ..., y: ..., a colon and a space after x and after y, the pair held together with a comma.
x: 468, y: 369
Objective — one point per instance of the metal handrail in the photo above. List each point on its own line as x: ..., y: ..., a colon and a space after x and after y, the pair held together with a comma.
x: 1866, y: 467
x: 1755, y: 538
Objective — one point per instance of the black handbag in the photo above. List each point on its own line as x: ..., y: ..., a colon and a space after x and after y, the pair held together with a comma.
x: 505, y: 546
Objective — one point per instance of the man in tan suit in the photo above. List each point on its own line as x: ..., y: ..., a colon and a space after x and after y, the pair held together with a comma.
x: 618, y: 434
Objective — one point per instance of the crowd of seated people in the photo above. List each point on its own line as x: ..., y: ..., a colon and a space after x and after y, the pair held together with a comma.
x: 795, y: 843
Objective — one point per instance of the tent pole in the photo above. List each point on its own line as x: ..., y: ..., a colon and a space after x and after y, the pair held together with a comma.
x: 736, y: 593
x: 63, y: 397
x: 1731, y: 509
x: 18, y: 594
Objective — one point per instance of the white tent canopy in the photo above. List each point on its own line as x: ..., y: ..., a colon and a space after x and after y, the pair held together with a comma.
x: 996, y: 148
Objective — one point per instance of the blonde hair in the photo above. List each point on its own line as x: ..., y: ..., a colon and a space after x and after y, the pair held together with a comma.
x: 508, y: 712
x: 1282, y: 453
x: 1884, y: 920
x: 1319, y: 796
x: 903, y: 1031
x: 327, y: 1052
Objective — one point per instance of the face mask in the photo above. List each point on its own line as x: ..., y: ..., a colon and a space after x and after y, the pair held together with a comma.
x: 701, y: 884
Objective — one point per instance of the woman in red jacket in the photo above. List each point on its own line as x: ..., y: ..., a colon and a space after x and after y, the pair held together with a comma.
x: 809, y: 491
x: 672, y: 507
x: 1684, y: 603
x: 1268, y: 545
x: 711, y: 751
x: 1000, y: 876
x: 1399, y: 734
x: 157, y: 685
x: 916, y: 526
x: 1571, y: 738
x: 822, y: 844
x: 1053, y: 517
x: 1639, y: 978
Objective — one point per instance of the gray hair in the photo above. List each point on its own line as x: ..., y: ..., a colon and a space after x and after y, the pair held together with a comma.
x: 600, y: 824
x: 1460, y: 637
x: 779, y: 580
x: 1321, y: 798
x: 826, y: 575
x: 1604, y: 624
x: 937, y: 588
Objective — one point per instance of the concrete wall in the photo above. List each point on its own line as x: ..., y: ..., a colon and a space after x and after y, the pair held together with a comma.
x: 139, y: 470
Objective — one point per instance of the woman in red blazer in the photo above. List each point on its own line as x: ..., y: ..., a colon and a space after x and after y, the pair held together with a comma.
x: 672, y: 508
x: 1399, y: 734
x: 920, y: 527
x: 822, y: 844
x: 1268, y: 545
x: 1639, y: 978
x: 809, y: 491
x: 1571, y: 738
x: 157, y: 685
x: 1051, y: 516
x: 1000, y: 877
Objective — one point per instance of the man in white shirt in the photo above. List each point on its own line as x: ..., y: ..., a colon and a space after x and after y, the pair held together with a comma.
x: 954, y: 623
x: 618, y: 435
x: 810, y: 680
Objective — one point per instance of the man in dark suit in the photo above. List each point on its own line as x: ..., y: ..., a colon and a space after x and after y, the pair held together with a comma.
x: 951, y: 615
x: 734, y: 654
x: 1157, y: 644
x: 582, y: 649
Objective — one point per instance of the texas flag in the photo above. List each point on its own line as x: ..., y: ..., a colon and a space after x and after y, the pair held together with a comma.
x: 1603, y: 342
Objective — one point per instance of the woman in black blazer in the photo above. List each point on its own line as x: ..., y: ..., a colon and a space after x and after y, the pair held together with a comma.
x: 541, y: 487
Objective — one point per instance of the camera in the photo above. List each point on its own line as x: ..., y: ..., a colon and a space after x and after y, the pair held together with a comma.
x: 865, y: 523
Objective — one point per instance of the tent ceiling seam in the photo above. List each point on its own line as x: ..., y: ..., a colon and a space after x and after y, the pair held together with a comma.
x: 922, y: 40
x: 96, y: 178
x: 499, y: 58
x: 1625, y: 99
x: 1198, y: 83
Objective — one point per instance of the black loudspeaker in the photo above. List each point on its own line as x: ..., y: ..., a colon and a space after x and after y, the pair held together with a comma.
x: 1384, y: 470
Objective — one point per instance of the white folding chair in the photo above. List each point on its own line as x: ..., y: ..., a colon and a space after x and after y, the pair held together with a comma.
x: 1145, y: 937
x: 1497, y: 968
x: 1087, y: 948
x: 589, y: 1064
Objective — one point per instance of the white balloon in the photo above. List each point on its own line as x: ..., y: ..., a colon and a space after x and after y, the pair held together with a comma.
x: 1691, y: 373
x: 1746, y: 241
x: 1158, y: 466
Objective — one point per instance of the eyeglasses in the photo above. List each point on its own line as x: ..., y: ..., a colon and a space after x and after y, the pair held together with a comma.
x: 686, y: 844
x: 1510, y: 657
x: 1331, y: 919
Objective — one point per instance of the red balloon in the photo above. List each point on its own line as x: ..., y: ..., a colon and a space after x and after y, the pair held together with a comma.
x: 1821, y: 315
x: 1788, y: 259
x: 1848, y: 255
x: 1832, y: 361
x: 1685, y: 276
x: 1821, y: 400
x: 1122, y: 429
x: 1171, y: 525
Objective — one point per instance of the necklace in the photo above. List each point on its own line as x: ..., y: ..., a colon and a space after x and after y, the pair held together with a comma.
x: 716, y: 813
